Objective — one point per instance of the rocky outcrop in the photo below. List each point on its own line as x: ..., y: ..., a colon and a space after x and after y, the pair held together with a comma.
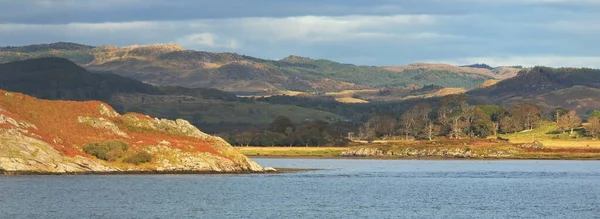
x: 453, y: 152
x: 19, y: 152
x: 49, y: 137
x: 107, y: 111
x: 534, y: 145
x: 102, y: 123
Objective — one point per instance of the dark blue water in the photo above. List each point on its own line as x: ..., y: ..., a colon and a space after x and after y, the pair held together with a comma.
x: 346, y: 189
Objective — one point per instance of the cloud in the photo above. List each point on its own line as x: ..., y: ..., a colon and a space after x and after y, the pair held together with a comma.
x: 382, y: 32
x: 303, y: 29
x: 321, y: 28
x: 205, y: 40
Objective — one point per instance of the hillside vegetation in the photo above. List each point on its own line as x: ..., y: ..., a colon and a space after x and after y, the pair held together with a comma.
x: 167, y: 64
x: 61, y: 79
x: 550, y: 88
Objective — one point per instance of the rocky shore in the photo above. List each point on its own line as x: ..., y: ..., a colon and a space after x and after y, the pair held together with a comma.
x: 48, y: 137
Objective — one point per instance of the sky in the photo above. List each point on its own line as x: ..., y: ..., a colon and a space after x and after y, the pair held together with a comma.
x: 558, y: 33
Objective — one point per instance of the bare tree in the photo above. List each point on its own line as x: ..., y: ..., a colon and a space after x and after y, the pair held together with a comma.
x: 593, y: 126
x: 509, y: 124
x: 527, y: 115
x: 414, y: 122
x: 496, y: 127
x: 408, y: 123
x: 367, y: 131
x: 384, y: 124
x: 431, y: 130
x: 569, y: 121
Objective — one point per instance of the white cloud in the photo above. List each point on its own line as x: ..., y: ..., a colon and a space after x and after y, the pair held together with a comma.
x: 302, y: 29
x: 205, y: 40
x: 360, y: 39
x: 87, y: 4
x: 323, y: 28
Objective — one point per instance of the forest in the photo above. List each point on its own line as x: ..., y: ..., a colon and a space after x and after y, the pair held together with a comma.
x: 452, y: 117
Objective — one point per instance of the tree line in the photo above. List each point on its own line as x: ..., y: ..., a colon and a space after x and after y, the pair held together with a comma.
x: 454, y: 118
x: 283, y: 132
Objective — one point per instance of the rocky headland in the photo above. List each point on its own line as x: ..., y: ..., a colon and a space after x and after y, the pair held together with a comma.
x: 42, y: 136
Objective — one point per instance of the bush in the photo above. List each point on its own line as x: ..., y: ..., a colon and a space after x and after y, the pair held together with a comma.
x: 108, y: 150
x: 502, y: 139
x: 139, y: 157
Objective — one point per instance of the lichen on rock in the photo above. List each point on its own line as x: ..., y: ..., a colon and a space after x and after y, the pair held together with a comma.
x: 107, y: 111
x: 102, y: 123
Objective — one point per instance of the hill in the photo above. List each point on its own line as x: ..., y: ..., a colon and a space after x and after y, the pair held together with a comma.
x: 571, y: 88
x: 61, y: 79
x: 481, y: 69
x: 168, y: 64
x: 67, y: 136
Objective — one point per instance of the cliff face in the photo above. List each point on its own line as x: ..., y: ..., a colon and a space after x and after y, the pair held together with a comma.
x: 52, y: 136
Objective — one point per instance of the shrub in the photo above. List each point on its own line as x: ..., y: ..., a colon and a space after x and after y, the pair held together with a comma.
x: 502, y: 139
x: 138, y: 158
x: 108, y: 150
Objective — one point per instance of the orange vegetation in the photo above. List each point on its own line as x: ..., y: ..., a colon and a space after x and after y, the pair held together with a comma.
x: 56, y: 122
x: 489, y: 83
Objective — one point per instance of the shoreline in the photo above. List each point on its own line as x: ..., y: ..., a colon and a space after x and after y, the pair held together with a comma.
x: 419, y: 158
x: 152, y: 172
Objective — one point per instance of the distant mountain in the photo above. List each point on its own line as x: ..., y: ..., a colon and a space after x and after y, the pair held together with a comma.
x: 482, y: 65
x: 61, y: 79
x: 572, y: 88
x: 168, y: 64
x: 43, y: 136
x: 475, y: 70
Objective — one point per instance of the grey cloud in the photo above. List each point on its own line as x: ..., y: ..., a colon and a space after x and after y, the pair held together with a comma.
x: 380, y: 32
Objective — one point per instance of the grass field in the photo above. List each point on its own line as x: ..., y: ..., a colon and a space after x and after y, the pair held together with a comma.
x: 441, y: 149
x: 292, y: 151
x: 546, y: 134
x: 557, y: 145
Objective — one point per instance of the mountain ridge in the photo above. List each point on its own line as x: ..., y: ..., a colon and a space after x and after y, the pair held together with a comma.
x: 168, y: 64
x: 572, y: 88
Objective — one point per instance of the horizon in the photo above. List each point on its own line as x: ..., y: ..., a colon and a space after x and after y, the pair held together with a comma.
x: 279, y: 59
x: 375, y: 33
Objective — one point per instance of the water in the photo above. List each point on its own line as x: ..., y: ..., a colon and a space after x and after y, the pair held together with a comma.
x: 345, y: 189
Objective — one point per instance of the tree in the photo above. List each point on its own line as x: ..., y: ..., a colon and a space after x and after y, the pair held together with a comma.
x: 248, y: 137
x: 569, y: 121
x: 556, y: 113
x: 422, y: 122
x: 408, y: 121
x: 595, y: 113
x: 414, y: 122
x: 384, y: 124
x: 509, y: 125
x: 451, y: 114
x: 527, y: 115
x: 280, y: 124
x: 593, y: 126
x: 431, y: 130
x: 269, y: 138
x: 367, y: 131
x: 481, y: 124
